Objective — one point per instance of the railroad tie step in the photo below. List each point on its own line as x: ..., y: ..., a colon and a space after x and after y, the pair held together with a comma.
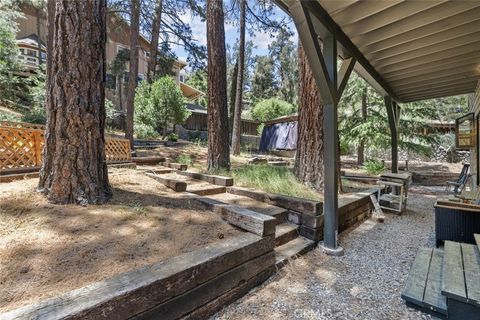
x: 285, y: 232
x: 291, y: 250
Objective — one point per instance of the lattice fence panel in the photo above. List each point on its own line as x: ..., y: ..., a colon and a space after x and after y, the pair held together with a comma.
x: 20, y: 148
x: 117, y: 150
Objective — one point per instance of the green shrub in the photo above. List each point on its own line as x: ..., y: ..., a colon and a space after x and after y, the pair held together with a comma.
x: 36, y: 114
x: 159, y: 104
x: 172, y: 137
x: 4, y: 116
x: 272, y: 108
x: 144, y: 131
x: 374, y: 167
x: 184, y: 159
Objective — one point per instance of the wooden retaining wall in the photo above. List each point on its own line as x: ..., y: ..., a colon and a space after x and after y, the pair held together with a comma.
x: 426, y: 178
x: 308, y: 214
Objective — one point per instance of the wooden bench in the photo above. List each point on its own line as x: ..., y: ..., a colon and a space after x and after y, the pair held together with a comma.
x: 446, y: 283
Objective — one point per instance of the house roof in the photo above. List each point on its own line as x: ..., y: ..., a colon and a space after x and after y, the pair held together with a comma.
x: 190, y: 92
x: 410, y: 50
x: 31, y: 41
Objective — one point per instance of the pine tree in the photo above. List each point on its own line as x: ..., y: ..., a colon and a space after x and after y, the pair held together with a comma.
x: 218, y: 146
x: 74, y: 168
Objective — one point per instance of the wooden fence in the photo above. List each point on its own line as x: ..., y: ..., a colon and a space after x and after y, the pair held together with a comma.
x: 21, y: 146
x: 199, y: 122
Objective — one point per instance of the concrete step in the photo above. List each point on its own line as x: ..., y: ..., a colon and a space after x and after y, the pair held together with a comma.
x: 292, y: 249
x: 248, y: 203
x: 285, y: 232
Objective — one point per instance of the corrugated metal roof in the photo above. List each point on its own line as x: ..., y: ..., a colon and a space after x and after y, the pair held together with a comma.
x: 421, y: 49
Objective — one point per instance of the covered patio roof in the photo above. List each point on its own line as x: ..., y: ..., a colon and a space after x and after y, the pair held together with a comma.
x: 409, y: 50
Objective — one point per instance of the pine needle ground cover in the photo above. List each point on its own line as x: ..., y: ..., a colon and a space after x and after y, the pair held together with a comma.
x: 48, y: 249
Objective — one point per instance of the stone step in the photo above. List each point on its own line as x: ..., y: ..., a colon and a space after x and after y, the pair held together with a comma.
x: 248, y: 203
x: 285, y: 232
x: 477, y: 240
x: 291, y: 250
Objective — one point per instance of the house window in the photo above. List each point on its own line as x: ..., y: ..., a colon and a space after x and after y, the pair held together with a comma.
x: 147, y: 54
x: 122, y: 48
x: 140, y: 77
x: 43, y: 55
x: 31, y: 53
x: 465, y: 132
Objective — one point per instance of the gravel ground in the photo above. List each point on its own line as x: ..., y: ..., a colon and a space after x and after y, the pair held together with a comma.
x: 366, y: 283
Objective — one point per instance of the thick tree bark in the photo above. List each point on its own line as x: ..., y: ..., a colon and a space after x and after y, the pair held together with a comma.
x: 152, y: 62
x: 133, y: 71
x: 74, y: 168
x: 237, y: 121
x: 309, y: 157
x: 218, y: 148
x: 361, y: 146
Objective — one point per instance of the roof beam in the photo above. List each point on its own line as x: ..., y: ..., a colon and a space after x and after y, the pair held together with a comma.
x: 344, y: 74
x: 438, y: 88
x: 361, y: 10
x: 434, y: 95
x: 435, y: 28
x: 425, y: 43
x: 422, y: 51
x: 311, y: 46
x: 390, y: 17
x: 422, y: 18
x: 459, y: 72
x: 319, y: 13
x: 438, y: 57
x: 456, y: 61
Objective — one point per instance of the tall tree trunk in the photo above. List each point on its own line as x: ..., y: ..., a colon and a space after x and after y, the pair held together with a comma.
x: 74, y: 168
x: 233, y: 93
x: 133, y: 71
x: 237, y: 116
x: 309, y: 156
x: 361, y: 146
x: 152, y: 60
x: 119, y: 92
x: 218, y: 148
x: 50, y: 31
x: 39, y: 12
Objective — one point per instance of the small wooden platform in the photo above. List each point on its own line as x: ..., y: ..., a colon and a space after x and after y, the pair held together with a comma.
x: 423, y: 283
x: 446, y: 283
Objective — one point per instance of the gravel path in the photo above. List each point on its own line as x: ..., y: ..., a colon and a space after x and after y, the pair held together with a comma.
x: 365, y: 283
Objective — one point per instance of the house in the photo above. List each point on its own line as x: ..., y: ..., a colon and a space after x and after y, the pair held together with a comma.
x: 32, y: 30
